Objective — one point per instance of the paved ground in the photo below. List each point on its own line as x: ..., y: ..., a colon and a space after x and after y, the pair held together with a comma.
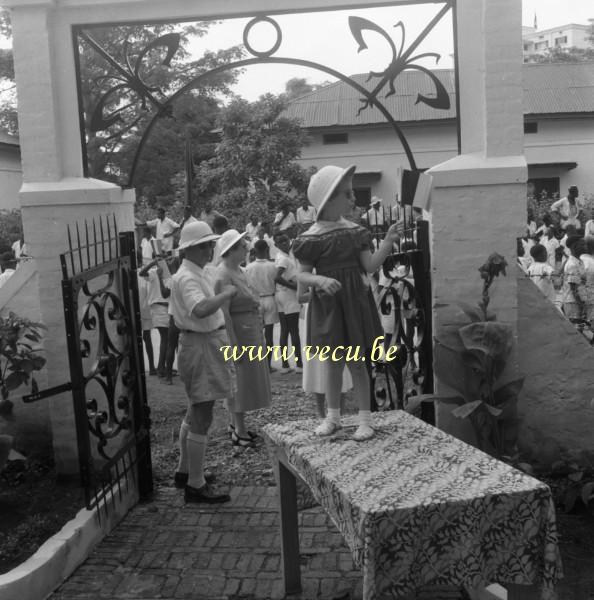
x: 167, y: 549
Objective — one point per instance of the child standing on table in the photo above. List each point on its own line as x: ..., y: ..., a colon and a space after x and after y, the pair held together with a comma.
x: 342, y: 309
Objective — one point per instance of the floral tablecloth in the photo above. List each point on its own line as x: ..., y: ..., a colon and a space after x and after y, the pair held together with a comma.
x: 418, y: 507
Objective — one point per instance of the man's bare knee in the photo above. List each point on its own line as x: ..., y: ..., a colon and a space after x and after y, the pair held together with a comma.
x: 201, y: 417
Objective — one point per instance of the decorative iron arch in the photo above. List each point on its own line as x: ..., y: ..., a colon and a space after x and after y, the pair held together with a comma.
x: 128, y: 77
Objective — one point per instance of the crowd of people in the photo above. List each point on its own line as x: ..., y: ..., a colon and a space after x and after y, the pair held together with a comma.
x: 558, y: 255
x: 207, y: 287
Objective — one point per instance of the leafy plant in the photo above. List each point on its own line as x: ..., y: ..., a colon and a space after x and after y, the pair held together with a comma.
x: 471, y: 360
x: 19, y: 356
x: 579, y: 484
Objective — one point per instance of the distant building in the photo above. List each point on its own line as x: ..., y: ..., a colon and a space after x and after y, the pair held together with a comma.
x: 539, y: 41
x: 11, y: 173
x: 558, y: 128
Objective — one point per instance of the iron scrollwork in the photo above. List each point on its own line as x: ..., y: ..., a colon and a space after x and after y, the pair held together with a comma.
x: 153, y: 101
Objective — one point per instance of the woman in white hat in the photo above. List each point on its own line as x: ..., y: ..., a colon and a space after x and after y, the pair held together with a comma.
x: 244, y: 326
x: 342, y: 311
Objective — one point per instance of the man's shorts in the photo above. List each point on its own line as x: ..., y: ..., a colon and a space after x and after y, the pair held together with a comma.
x: 269, y: 310
x: 202, y: 367
x: 287, y: 302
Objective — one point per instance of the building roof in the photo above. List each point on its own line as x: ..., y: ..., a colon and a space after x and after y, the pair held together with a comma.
x: 8, y: 140
x: 548, y: 89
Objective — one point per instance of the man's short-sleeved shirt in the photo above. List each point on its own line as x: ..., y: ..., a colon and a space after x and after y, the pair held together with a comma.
x: 305, y: 215
x: 261, y: 275
x: 287, y: 263
x: 190, y: 285
x: 167, y: 225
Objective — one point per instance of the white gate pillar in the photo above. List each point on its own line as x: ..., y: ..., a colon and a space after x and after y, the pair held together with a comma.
x: 479, y: 197
x: 54, y: 192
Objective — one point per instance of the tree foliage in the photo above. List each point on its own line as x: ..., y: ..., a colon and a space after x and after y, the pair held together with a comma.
x: 8, y: 111
x: 562, y: 55
x: 111, y: 150
x: 299, y: 86
x: 254, y: 168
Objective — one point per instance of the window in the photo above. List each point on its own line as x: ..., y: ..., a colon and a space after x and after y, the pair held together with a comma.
x: 335, y: 138
x: 561, y: 40
x: 543, y: 186
x: 530, y: 127
x: 542, y: 45
x: 362, y: 196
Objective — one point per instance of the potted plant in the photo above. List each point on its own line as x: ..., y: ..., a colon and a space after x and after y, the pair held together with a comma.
x: 19, y: 358
x: 471, y: 360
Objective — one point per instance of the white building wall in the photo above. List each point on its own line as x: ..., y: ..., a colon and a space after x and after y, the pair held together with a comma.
x: 563, y: 140
x: 558, y: 140
x: 11, y: 177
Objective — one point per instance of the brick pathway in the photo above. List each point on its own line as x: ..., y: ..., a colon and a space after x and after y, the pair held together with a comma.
x: 167, y: 549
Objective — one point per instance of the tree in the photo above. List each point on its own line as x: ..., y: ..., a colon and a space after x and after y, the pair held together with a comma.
x: 254, y: 167
x: 124, y: 115
x: 298, y: 86
x: 562, y: 55
x: 8, y: 112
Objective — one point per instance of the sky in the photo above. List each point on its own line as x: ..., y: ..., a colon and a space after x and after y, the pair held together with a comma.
x: 325, y: 38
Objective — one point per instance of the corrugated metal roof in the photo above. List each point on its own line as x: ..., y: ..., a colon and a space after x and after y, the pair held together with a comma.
x: 548, y: 89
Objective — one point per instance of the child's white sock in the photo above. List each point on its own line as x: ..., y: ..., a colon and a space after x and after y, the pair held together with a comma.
x: 196, y: 445
x: 334, y: 415
x: 364, y: 431
x: 182, y: 465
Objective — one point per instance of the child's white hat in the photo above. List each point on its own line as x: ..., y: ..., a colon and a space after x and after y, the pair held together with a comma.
x: 323, y: 183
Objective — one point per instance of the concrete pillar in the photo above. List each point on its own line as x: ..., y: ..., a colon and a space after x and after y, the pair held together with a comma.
x: 479, y: 197
x: 54, y: 193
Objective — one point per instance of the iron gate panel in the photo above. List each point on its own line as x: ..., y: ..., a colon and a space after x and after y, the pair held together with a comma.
x: 104, y: 336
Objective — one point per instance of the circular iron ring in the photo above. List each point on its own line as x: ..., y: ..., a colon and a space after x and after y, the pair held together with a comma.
x: 275, y: 47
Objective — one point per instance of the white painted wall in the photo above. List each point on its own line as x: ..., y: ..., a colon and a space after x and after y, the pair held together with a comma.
x: 11, y: 177
x: 562, y: 139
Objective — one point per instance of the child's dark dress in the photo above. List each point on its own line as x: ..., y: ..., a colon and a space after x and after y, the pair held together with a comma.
x: 348, y: 318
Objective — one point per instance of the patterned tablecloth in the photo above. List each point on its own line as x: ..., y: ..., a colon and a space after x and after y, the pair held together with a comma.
x: 418, y: 507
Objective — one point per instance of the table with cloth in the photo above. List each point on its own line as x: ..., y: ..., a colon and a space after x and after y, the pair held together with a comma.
x: 417, y: 507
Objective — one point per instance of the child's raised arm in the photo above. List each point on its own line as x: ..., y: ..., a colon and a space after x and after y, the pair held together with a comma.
x: 372, y: 262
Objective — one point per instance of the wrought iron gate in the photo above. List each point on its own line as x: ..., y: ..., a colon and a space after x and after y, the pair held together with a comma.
x: 104, y: 336
x: 405, y: 301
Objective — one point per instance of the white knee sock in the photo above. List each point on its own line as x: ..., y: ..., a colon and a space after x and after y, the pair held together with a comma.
x: 182, y: 465
x: 196, y: 446
x: 364, y: 417
x: 333, y: 415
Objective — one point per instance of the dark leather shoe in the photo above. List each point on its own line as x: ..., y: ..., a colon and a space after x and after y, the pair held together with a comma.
x: 181, y: 479
x: 205, y: 494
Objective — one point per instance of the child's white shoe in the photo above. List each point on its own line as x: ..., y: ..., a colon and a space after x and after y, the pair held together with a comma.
x: 364, y: 432
x: 327, y: 427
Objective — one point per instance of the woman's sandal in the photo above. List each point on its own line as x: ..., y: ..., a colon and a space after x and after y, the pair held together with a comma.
x: 241, y: 441
x: 251, y: 435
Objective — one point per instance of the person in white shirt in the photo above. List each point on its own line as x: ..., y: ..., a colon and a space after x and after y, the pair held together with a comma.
x: 262, y: 235
x: 251, y: 229
x: 306, y: 213
x: 261, y: 275
x: 197, y: 313
x: 157, y: 299
x: 286, y: 300
x: 146, y: 247
x: 19, y: 248
x: 540, y: 272
x: 569, y: 208
x: 375, y: 216
x: 165, y: 228
x: 284, y: 219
